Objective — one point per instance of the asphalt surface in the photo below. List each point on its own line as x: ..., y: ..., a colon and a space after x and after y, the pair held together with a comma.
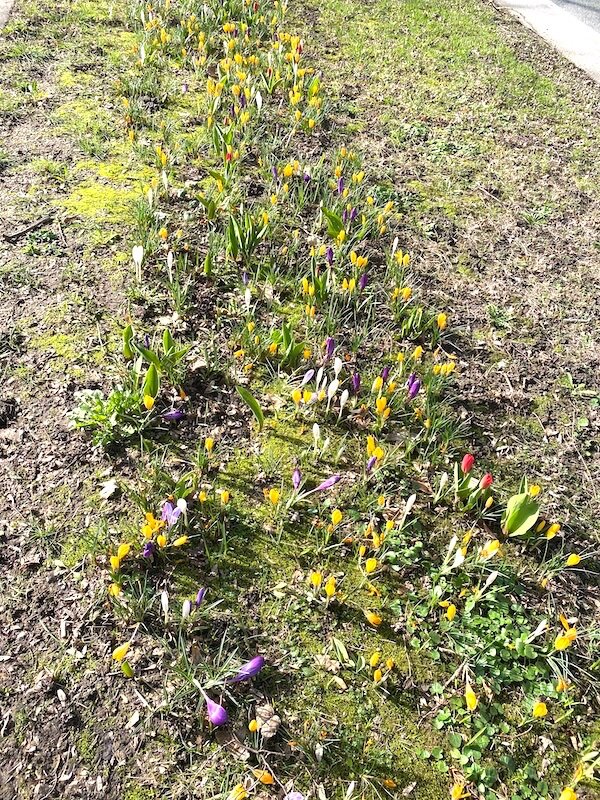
x: 4, y: 9
x: 587, y: 11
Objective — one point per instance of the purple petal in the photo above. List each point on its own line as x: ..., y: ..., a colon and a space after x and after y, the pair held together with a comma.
x: 216, y: 713
x: 296, y: 478
x: 200, y: 596
x: 329, y: 255
x: 248, y: 670
x: 307, y: 377
x: 371, y: 463
x: 355, y: 382
x: 173, y: 415
x: 148, y: 550
x: 362, y: 282
x: 322, y: 487
x: 414, y: 389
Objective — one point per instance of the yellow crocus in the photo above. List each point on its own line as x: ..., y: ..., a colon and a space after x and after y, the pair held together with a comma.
x: 470, y: 698
x: 540, y: 709
x: 121, y: 651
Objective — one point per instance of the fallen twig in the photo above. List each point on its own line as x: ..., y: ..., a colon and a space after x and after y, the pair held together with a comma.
x: 14, y: 237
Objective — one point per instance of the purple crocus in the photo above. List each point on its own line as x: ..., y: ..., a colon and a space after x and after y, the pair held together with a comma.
x: 329, y: 346
x: 327, y: 484
x: 296, y: 479
x: 345, y: 216
x: 371, y: 463
x: 242, y: 100
x: 385, y: 373
x: 173, y: 415
x: 200, y: 596
x: 353, y: 214
x: 306, y: 177
x: 329, y: 255
x: 307, y: 377
x: 215, y: 712
x: 362, y: 281
x: 413, y: 387
x: 146, y: 341
x: 184, y: 88
x: 355, y: 380
x: 340, y: 186
x: 294, y: 796
x: 148, y: 550
x: 170, y: 513
x: 274, y: 172
x: 248, y: 670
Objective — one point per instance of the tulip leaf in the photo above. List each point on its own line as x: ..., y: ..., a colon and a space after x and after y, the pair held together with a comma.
x: 520, y: 515
x: 252, y: 404
x: 151, y: 384
x: 148, y: 354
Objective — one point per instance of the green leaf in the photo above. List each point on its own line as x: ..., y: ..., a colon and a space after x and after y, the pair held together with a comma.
x: 151, y: 384
x: 126, y: 669
x: 168, y: 341
x: 252, y: 404
x: 520, y: 515
x: 149, y: 355
x: 334, y: 223
x: 127, y: 338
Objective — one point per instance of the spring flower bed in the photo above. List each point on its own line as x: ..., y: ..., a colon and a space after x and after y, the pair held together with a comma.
x: 314, y: 587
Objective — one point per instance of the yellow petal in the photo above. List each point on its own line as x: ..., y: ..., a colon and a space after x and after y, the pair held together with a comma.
x: 370, y: 565
x: 121, y: 651
x: 573, y: 560
x: 181, y: 541
x: 540, y: 709
x: 470, y: 698
x: 263, y: 776
x: 123, y: 551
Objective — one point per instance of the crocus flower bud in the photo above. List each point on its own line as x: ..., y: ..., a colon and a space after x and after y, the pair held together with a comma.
x: 216, y: 713
x: 329, y: 255
x: 486, y: 481
x: 385, y: 373
x: 355, y: 382
x: 306, y: 177
x: 148, y: 550
x: 248, y: 670
x: 414, y: 388
x: 327, y: 484
x: 173, y: 415
x: 307, y: 377
x: 329, y: 346
x: 200, y: 596
x: 296, y: 479
x: 186, y: 609
x: 466, y: 464
x: 362, y: 282
x: 340, y: 186
x: 371, y: 463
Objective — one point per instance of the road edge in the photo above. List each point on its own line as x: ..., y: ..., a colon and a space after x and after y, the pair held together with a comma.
x: 578, y: 42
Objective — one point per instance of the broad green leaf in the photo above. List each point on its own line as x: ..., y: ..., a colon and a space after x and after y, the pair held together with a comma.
x: 151, y: 384
x: 252, y: 404
x: 149, y: 355
x: 520, y: 515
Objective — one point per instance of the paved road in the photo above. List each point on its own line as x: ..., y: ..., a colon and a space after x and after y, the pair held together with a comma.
x: 4, y: 9
x: 572, y: 26
x: 587, y: 11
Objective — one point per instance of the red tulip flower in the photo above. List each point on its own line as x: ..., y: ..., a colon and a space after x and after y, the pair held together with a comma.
x: 486, y: 481
x: 467, y: 463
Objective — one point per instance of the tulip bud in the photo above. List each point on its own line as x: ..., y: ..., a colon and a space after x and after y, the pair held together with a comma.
x: 467, y: 463
x: 486, y: 481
